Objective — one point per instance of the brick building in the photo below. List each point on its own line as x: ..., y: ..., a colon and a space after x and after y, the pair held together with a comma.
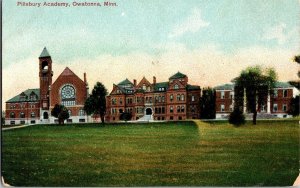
x: 276, y: 105
x: 172, y: 100
x: 35, y: 105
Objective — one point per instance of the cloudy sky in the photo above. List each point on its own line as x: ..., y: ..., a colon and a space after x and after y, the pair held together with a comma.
x: 210, y: 41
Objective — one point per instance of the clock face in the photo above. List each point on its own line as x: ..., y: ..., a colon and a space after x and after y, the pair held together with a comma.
x: 68, y: 92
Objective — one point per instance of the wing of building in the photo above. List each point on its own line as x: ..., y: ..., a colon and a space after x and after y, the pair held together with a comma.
x: 35, y: 105
x: 276, y: 105
x: 146, y: 101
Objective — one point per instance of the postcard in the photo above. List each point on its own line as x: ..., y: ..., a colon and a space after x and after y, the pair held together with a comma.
x: 150, y: 93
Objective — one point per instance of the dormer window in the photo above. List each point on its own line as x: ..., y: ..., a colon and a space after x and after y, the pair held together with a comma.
x: 176, y: 86
x: 144, y: 87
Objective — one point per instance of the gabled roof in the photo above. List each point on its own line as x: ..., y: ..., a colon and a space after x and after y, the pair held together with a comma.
x: 125, y: 82
x: 67, y: 72
x: 225, y: 87
x: 44, y: 53
x: 283, y: 85
x: 161, y: 85
x: 178, y: 75
x: 192, y: 87
x: 25, y: 96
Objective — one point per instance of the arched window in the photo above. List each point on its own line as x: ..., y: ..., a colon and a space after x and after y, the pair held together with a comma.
x: 171, y: 97
x: 176, y: 86
x: 12, y: 115
x: 22, y: 115
x: 182, y: 108
x: 182, y: 97
x: 178, y: 109
x: 178, y: 97
x: 68, y: 95
x: 32, y: 115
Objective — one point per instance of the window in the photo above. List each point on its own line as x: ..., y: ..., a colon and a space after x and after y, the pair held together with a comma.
x: 275, y: 107
x: 263, y: 108
x: 284, y: 108
x: 231, y: 94
x: 275, y: 93
x: 193, y: 98
x: 171, y: 117
x: 222, y: 94
x: 163, y: 110
x: 171, y: 109
x: 32, y: 115
x: 12, y: 115
x: 81, y: 112
x: 222, y: 108
x: 22, y: 122
x: 121, y: 101
x: 176, y: 86
x: 182, y: 97
x: 22, y: 115
x: 171, y: 97
x: 178, y: 109
x: 68, y: 95
x: 69, y: 121
x: 193, y: 109
x: 231, y: 108
x: 182, y: 108
x: 179, y: 118
x: 159, y: 99
x: 81, y: 120
x: 163, y: 99
x: 285, y: 93
x: 144, y: 87
x: 178, y: 97
x: 113, y: 101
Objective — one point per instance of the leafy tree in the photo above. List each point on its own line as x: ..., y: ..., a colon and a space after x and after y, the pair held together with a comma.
x: 96, y: 102
x: 126, y: 116
x: 60, y: 112
x: 294, y: 106
x: 257, y: 84
x: 237, y: 117
x: 207, y: 104
x: 296, y: 83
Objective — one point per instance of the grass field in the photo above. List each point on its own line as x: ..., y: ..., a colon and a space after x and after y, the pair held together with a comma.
x: 160, y: 154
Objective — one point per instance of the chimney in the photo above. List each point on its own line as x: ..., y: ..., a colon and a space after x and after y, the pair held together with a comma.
x: 154, y: 80
x: 84, y: 77
x: 134, y: 82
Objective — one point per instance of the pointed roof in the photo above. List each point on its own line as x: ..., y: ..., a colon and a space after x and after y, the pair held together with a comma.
x: 125, y: 82
x: 67, y: 72
x: 44, y: 53
x: 178, y: 75
x: 25, y: 96
x: 283, y: 85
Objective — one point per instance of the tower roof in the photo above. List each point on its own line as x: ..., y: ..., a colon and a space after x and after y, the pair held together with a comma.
x: 44, y: 53
x: 178, y: 75
x: 125, y: 82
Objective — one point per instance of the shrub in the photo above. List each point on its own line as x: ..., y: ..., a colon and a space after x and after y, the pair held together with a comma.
x: 125, y: 116
x: 237, y: 117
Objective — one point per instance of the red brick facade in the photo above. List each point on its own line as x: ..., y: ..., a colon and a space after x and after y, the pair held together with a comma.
x: 277, y: 105
x: 35, y: 105
x: 172, y: 100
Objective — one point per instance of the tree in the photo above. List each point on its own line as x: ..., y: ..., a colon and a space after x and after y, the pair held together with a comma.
x: 294, y: 106
x: 236, y: 117
x: 296, y: 83
x: 126, y: 116
x: 61, y: 112
x: 207, y: 104
x: 96, y: 102
x: 255, y: 83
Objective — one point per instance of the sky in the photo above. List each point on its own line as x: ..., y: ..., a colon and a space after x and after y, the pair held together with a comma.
x: 209, y: 41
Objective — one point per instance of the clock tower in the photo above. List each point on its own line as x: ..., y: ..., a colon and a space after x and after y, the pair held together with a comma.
x: 45, y: 75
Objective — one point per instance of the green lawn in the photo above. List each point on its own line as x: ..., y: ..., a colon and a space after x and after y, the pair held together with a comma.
x: 160, y: 154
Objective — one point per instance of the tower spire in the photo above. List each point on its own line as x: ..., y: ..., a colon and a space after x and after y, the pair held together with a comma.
x: 45, y: 53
